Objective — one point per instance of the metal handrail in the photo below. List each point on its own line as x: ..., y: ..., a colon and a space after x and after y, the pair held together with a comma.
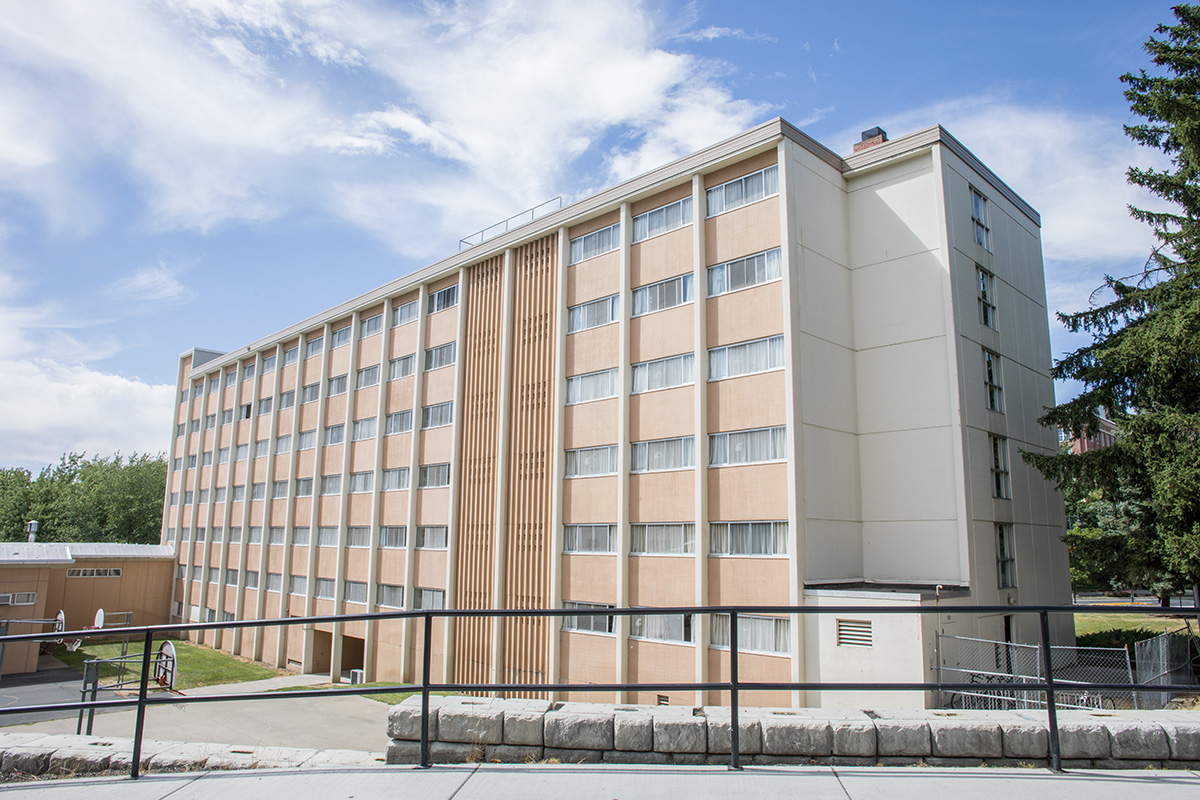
x: 734, y: 685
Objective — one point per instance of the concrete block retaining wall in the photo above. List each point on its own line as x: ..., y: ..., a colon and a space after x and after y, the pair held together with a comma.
x: 464, y: 729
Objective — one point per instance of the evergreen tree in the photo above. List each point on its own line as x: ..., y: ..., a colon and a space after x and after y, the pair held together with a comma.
x: 1143, y: 364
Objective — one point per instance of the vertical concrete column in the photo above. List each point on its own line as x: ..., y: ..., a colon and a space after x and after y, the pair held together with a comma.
x: 554, y: 668
x: 701, y: 626
x: 625, y: 379
x: 335, y: 655
x: 306, y: 662
x: 793, y: 258
x: 268, y: 514
x: 288, y: 521
x: 250, y: 461
x: 175, y: 512
x: 410, y: 533
x: 503, y: 434
x: 455, y: 475
x: 371, y: 646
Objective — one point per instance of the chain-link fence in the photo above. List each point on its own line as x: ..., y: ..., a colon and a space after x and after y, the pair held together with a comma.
x: 984, y: 661
x: 1170, y: 658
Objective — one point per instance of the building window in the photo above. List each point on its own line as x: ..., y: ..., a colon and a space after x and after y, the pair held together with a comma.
x: 325, y: 588
x: 595, y: 623
x: 291, y: 355
x: 596, y: 243
x: 370, y: 326
x: 247, y: 371
x: 227, y: 416
x: 223, y: 455
x: 759, y: 446
x: 746, y: 358
x: 748, y: 538
x: 341, y: 337
x: 1000, y: 486
x: 336, y: 386
x: 230, y: 376
x: 314, y: 347
x: 102, y: 572
x: 991, y: 381
x: 987, y: 297
x: 174, y: 498
x: 662, y: 220
x: 588, y: 461
x: 440, y: 356
x: 258, y: 491
x: 192, y: 461
x: 287, y: 399
x: 1006, y: 558
x: 402, y: 367
x: 661, y: 455
x: 214, y: 575
x: 327, y: 536
x: 279, y: 489
x: 664, y: 373
x: 187, y: 497
x: 389, y: 596
x: 437, y: 416
x: 331, y: 484
x: 220, y: 496
x: 743, y: 191
x: 283, y: 444
x: 744, y: 272
x: 268, y: 364
x: 367, y: 376
x: 231, y: 577
x: 235, y: 534
x: 398, y: 422
x: 241, y: 452
x: 206, y: 458
x: 429, y: 598
x: 180, y: 429
x: 662, y: 295
x: 244, y: 410
x: 304, y: 487
x: 275, y: 535
x: 358, y: 536
x: 354, y: 592
x: 274, y: 581
x: 251, y: 579
x: 669, y: 538
x: 218, y: 534
x: 307, y: 440
x: 364, y: 429
x: 395, y: 480
x: 589, y: 538
x: 979, y: 218
x: 335, y: 434
x: 661, y: 627
x: 402, y: 315
x: 592, y: 386
x: 434, y: 476
x: 592, y: 314
x: 300, y: 535
x: 443, y: 299
x: 310, y: 393
x: 194, y: 426
x: 210, y: 422
x: 183, y: 396
x: 392, y: 536
x: 755, y: 634
x: 361, y: 482
x: 239, y: 492
x: 431, y: 537
x: 262, y: 447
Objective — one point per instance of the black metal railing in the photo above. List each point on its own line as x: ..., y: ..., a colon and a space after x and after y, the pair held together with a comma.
x: 734, y: 685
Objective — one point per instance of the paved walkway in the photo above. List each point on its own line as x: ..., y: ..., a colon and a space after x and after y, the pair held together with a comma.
x: 608, y: 782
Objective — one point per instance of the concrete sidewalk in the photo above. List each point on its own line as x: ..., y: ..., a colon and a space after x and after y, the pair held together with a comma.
x: 606, y: 782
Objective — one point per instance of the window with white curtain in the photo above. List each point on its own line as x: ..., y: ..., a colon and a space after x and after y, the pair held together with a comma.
x: 745, y: 358
x: 443, y: 299
x: 325, y: 588
x: 745, y: 272
x: 261, y: 448
x: 389, y: 596
x: 662, y: 538
x: 283, y: 444
x: 747, y: 538
x: 287, y: 399
x: 398, y: 422
x: 304, y: 487
x: 437, y: 416
x: 592, y: 314
x: 440, y: 356
x: 337, y: 385
x: 309, y: 393
x: 402, y: 367
x: 370, y: 326
x: 431, y: 537
x: 758, y: 446
x: 596, y: 623
x: 298, y: 584
x: 258, y: 491
x: 433, y: 476
x: 743, y: 191
x: 392, y: 536
x: 354, y: 592
x: 660, y: 455
x: 307, y: 440
x: 663, y: 219
x: 596, y: 243
x: 395, y: 480
x: 364, y: 429
x: 588, y: 461
x: 251, y: 579
x: 300, y: 535
x: 662, y: 295
x: 335, y: 434
x: 661, y: 627
x: 358, y: 536
x: 279, y: 489
x: 755, y: 634
x: 589, y: 538
x: 361, y: 482
x: 291, y: 355
x: 327, y: 536
x: 367, y: 376
x: 664, y: 373
x: 274, y: 581
x: 402, y: 315
x: 592, y: 386
x: 429, y: 598
x: 331, y: 484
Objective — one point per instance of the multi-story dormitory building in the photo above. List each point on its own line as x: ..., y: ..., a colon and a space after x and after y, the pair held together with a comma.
x: 762, y: 374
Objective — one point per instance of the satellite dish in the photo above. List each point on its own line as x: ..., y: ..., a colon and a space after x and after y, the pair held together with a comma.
x: 60, y: 624
x: 98, y: 622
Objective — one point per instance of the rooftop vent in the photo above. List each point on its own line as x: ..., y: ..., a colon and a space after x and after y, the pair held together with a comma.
x: 870, y: 138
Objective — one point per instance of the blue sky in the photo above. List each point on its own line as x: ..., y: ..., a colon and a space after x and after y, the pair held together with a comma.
x: 202, y: 172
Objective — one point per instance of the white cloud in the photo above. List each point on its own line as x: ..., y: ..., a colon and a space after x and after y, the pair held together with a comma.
x: 716, y: 32
x: 158, y: 284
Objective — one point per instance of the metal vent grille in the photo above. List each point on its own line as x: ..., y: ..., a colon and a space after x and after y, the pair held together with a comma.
x: 853, y: 633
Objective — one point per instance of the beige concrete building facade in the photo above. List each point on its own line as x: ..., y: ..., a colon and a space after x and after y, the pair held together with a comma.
x: 764, y: 374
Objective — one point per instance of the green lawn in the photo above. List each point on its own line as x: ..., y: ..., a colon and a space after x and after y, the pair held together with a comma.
x: 198, y: 665
x: 1118, y: 630
x: 390, y: 698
